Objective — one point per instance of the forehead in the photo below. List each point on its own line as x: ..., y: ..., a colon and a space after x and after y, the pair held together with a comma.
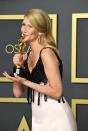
x: 26, y: 20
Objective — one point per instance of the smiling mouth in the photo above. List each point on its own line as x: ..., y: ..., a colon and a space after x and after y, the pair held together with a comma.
x: 25, y: 35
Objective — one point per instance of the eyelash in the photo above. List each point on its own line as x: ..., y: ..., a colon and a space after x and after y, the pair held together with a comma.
x: 23, y: 24
x: 30, y: 26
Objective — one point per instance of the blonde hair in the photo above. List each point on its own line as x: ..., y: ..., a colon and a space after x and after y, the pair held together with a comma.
x: 40, y: 20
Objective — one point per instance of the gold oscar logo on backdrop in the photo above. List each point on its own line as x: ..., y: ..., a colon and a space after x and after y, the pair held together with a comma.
x: 11, y: 48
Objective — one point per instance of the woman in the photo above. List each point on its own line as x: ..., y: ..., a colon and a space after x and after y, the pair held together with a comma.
x: 42, y: 74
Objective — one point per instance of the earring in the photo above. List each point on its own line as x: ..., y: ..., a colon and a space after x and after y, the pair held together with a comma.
x: 39, y: 38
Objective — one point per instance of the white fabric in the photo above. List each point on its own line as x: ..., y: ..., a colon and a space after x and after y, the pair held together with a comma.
x: 51, y: 115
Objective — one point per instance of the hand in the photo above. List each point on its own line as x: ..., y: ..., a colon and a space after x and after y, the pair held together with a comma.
x: 16, y: 78
x: 18, y: 59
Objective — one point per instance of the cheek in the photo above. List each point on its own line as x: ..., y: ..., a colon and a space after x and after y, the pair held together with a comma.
x: 21, y: 29
x: 34, y: 33
x: 31, y: 32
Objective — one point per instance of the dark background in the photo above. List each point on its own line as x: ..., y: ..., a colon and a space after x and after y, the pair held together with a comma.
x: 64, y: 9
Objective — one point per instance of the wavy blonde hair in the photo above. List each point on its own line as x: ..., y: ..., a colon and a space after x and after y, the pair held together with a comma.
x: 40, y: 20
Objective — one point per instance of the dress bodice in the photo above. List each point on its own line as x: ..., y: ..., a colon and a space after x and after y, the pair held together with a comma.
x: 38, y: 74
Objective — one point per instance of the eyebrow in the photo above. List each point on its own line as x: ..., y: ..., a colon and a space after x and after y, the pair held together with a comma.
x: 27, y: 24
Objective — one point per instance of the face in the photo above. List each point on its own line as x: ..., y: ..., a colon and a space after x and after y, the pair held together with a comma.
x: 29, y: 32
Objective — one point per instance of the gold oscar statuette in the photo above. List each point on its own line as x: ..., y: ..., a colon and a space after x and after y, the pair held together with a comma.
x: 21, y: 45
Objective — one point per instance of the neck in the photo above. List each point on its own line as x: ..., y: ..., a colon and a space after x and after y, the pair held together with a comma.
x: 35, y: 46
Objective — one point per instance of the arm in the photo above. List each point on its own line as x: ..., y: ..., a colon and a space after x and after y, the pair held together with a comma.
x: 51, y: 67
x: 18, y: 89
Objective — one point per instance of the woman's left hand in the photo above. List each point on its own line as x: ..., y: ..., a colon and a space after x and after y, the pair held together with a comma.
x: 16, y: 78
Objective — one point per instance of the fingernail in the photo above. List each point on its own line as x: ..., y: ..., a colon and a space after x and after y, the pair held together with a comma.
x: 15, y: 74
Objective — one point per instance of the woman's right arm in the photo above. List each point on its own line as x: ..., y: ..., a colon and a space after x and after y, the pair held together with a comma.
x: 18, y: 88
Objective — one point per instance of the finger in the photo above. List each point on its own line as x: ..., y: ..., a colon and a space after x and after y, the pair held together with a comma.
x: 16, y: 76
x: 9, y: 77
x: 41, y: 83
x: 5, y: 73
x: 20, y: 79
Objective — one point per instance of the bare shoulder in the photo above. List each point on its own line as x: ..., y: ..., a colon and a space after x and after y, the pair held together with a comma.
x: 48, y: 56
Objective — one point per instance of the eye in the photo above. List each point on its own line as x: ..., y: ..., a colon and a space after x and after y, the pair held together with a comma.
x: 23, y: 24
x: 30, y: 26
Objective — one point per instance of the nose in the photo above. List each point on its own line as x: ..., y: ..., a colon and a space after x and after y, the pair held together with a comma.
x: 25, y: 29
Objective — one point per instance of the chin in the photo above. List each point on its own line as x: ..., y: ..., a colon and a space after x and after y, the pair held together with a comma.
x: 26, y: 40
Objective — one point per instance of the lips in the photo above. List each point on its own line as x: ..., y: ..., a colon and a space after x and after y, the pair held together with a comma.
x: 25, y: 38
x: 25, y: 35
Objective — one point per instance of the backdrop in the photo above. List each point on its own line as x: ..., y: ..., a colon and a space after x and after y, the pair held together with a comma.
x: 72, y: 38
